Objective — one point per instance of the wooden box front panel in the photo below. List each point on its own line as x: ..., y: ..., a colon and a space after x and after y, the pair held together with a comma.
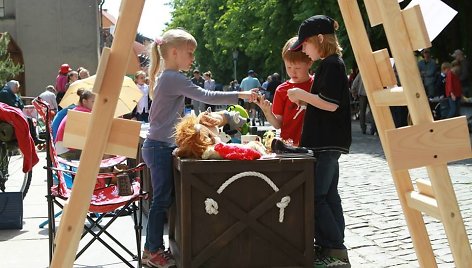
x: 246, y: 232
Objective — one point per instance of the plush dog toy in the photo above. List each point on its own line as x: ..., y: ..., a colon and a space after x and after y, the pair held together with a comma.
x: 197, y: 137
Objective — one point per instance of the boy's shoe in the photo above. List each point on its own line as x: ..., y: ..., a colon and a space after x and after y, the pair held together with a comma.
x: 160, y: 259
x: 328, y: 262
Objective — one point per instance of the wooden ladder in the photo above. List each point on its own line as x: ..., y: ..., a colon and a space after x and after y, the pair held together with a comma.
x: 426, y: 143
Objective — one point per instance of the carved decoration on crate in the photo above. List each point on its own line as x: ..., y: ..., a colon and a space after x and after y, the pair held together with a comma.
x: 211, y: 206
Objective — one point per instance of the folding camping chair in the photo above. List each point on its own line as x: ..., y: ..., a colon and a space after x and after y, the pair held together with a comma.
x: 105, y: 201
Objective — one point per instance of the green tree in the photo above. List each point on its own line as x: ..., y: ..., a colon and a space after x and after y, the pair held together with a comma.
x: 8, y: 69
x: 258, y: 29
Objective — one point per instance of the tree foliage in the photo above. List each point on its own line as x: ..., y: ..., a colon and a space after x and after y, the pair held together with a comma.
x: 8, y: 69
x: 258, y: 29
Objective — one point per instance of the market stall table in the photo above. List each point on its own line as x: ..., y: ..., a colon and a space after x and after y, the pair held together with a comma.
x: 243, y: 213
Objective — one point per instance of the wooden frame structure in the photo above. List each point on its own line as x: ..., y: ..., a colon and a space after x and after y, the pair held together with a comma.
x: 110, y: 73
x: 426, y: 143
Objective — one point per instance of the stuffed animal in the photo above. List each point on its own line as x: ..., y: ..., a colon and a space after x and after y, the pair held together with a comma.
x: 197, y: 137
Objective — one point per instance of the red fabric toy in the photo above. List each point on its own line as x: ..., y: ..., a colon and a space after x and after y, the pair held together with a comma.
x: 236, y: 152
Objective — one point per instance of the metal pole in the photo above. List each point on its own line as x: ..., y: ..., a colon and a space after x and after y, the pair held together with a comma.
x: 234, y: 61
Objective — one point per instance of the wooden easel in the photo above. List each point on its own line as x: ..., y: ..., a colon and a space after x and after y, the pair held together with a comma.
x: 427, y: 143
x: 99, y: 138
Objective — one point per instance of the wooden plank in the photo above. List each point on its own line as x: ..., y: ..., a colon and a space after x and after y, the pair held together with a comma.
x: 68, y: 236
x: 429, y: 144
x: 423, y: 203
x: 451, y: 216
x: 424, y: 187
x: 382, y: 59
x: 123, y: 139
x: 416, y: 28
x: 389, y: 97
x: 383, y: 118
x: 102, y: 66
x: 373, y: 12
x: 406, y: 64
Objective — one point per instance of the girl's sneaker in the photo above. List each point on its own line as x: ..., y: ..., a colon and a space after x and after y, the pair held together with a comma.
x: 160, y: 259
x: 145, y: 257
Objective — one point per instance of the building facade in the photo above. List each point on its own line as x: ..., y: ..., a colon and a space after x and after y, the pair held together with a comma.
x: 50, y: 33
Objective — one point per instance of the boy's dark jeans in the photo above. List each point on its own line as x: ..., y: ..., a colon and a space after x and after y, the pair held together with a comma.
x: 329, y: 219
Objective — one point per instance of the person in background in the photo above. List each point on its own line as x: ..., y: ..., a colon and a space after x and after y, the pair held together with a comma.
x: 83, y: 73
x: 464, y: 76
x: 209, y: 85
x: 454, y: 89
x: 272, y: 86
x: 175, y: 50
x: 141, y: 112
x: 428, y: 71
x: 10, y: 95
x: 284, y: 114
x: 248, y: 83
x: 198, y: 80
x: 358, y: 92
x: 440, y: 91
x: 85, y: 104
x: 72, y: 76
x: 327, y: 132
x: 49, y: 95
x: 266, y: 82
x: 61, y: 81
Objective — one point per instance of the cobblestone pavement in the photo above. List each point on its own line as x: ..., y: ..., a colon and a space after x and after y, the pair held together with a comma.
x: 376, y: 231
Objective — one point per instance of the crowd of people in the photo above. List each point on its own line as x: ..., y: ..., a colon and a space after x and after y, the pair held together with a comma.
x: 447, y: 86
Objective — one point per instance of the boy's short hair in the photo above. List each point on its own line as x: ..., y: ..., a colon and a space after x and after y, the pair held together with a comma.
x: 445, y: 66
x: 294, y: 56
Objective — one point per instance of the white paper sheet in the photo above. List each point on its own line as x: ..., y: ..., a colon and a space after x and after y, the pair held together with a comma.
x: 436, y: 15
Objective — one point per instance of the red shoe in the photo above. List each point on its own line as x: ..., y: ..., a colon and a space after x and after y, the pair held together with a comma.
x: 160, y: 259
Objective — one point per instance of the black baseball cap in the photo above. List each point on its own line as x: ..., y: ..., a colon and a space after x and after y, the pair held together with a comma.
x: 319, y: 24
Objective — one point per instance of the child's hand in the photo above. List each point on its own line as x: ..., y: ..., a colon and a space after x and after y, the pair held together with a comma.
x: 294, y: 95
x: 264, y: 104
x: 250, y: 95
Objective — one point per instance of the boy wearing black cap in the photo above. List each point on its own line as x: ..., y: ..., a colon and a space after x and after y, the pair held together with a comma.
x: 327, y: 131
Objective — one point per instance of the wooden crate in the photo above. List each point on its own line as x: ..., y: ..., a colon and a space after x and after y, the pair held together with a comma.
x: 246, y: 232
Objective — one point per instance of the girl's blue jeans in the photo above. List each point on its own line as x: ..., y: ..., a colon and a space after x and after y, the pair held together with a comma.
x: 158, y: 157
x: 329, y: 218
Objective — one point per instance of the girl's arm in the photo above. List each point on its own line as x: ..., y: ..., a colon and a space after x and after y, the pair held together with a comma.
x: 297, y: 95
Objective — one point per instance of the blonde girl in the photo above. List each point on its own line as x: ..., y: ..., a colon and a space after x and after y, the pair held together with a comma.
x: 170, y: 55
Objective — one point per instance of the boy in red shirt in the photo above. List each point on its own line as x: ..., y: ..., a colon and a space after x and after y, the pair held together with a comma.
x: 284, y: 114
x: 453, y: 89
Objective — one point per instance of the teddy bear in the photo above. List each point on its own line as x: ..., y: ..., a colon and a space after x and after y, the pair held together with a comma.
x: 199, y: 138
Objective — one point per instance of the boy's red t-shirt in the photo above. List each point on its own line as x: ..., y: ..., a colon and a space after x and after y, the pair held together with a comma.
x: 291, y: 122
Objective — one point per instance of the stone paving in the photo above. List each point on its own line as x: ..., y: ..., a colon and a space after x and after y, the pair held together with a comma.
x: 376, y: 232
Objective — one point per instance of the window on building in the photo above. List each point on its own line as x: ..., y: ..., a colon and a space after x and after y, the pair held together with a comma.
x: 2, y: 8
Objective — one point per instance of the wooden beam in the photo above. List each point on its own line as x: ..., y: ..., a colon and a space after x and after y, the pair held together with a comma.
x: 382, y: 59
x: 102, y: 66
x: 451, y: 216
x: 416, y: 28
x: 373, y: 12
x: 123, y: 139
x: 389, y: 97
x: 406, y: 64
x: 68, y: 236
x: 423, y: 203
x: 429, y: 144
x: 383, y: 119
x: 424, y: 187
